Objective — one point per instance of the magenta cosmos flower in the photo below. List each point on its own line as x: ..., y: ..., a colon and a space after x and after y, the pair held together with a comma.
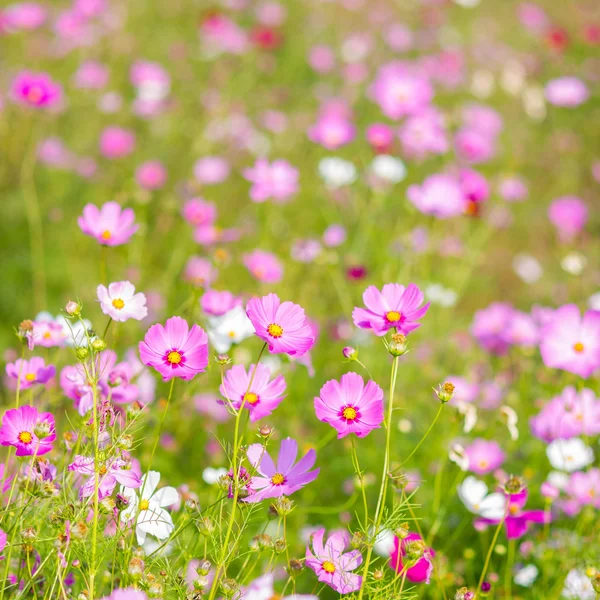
x: 120, y: 302
x: 30, y: 372
x: 175, y: 350
x: 411, y: 549
x: 264, y: 266
x: 38, y: 90
x: 285, y: 477
x: 518, y: 520
x: 277, y: 180
x: 261, y: 398
x: 29, y: 431
x: 350, y: 406
x: 151, y: 175
x: 111, y: 472
x: 110, y: 224
x: 282, y: 325
x: 331, y: 564
x: 199, y: 212
x: 484, y: 456
x: 116, y: 142
x: 393, y: 307
x: 570, y: 342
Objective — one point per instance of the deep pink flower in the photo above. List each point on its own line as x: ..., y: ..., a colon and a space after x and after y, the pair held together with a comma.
x: 439, y: 195
x: 120, y: 302
x: 331, y: 564
x: 175, y: 350
x: 283, y: 326
x: 474, y: 146
x: 30, y: 372
x: 277, y: 180
x: 350, y: 406
x: 394, y: 307
x: 282, y: 479
x: 264, y: 266
x: 29, y: 431
x: 517, y: 520
x: 116, y: 142
x: 474, y: 187
x: 568, y: 214
x: 568, y: 92
x: 484, y: 456
x: 111, y: 472
x: 412, y: 544
x: 3, y: 539
x: 380, y: 137
x: 110, y: 225
x: 570, y: 342
x: 568, y: 415
x: 261, y: 398
x: 151, y: 175
x: 199, y: 212
x: 36, y: 89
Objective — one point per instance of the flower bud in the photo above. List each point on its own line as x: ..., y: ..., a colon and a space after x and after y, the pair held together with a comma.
x: 79, y: 530
x: 485, y: 589
x: 266, y: 431
x: 464, y: 594
x: 397, y: 346
x: 206, y: 526
x: 98, y: 345
x: 229, y: 587
x: 223, y: 359
x: 42, y: 429
x: 73, y: 309
x: 377, y: 574
x: 204, y: 568
x: 402, y: 531
x: 595, y: 579
x: 82, y: 353
x: 358, y: 540
x: 29, y: 534
x: 156, y: 590
x: 283, y: 506
x: 514, y: 485
x: 295, y: 564
x: 350, y: 353
x: 135, y: 569
x: 414, y: 550
x: 445, y: 391
x: 125, y: 442
x: 107, y: 505
x: 200, y: 582
x: 25, y: 327
x: 280, y: 545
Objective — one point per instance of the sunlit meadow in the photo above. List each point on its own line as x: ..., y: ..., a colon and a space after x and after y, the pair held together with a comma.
x: 300, y: 299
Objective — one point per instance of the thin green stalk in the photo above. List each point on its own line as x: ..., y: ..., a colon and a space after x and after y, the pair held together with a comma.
x: 361, y: 479
x: 439, y: 412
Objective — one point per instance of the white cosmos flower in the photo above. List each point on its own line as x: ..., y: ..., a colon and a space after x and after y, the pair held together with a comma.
x: 527, y: 268
x: 458, y: 456
x: 231, y: 328
x: 438, y: 294
x: 147, y: 508
x: 526, y: 576
x: 212, y: 476
x: 509, y: 416
x: 569, y: 455
x: 559, y: 480
x: 474, y: 495
x: 336, y: 172
x: 384, y: 544
x: 594, y: 301
x: 578, y: 585
x: 469, y: 412
x: 388, y: 168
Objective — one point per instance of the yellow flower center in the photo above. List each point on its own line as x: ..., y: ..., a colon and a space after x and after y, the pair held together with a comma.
x: 251, y: 398
x: 118, y: 303
x: 578, y: 347
x: 513, y: 509
x: 174, y: 357
x: 277, y: 479
x: 275, y: 330
x: 484, y: 464
x: 231, y: 334
x: 106, y: 235
x: 34, y: 94
x: 47, y: 335
x: 349, y: 413
x: 328, y: 566
x: 25, y: 437
x: 30, y: 377
x: 144, y: 505
x: 392, y: 316
x: 102, y: 470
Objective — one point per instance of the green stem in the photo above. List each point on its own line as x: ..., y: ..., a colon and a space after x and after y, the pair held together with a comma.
x: 361, y: 480
x: 425, y: 435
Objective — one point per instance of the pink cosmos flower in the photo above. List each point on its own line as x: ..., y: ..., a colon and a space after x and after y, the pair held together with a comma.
x: 282, y: 479
x: 121, y: 303
x: 474, y: 146
x: 199, y: 271
x: 262, y: 589
x: 482, y: 118
x: 38, y: 90
x: 394, y: 307
x: 47, y: 334
x: 439, y: 195
x: 91, y: 75
x: 484, y: 456
x: 568, y: 92
x: 175, y: 350
x: 261, y: 398
x: 585, y: 487
x: 211, y: 170
x: 126, y: 594
x: 111, y: 472
x: 491, y: 327
x: 568, y: 214
x: 517, y: 520
x: 350, y: 406
x: 331, y: 564
x: 30, y: 372
x: 116, y: 142
x: 424, y: 134
x: 151, y: 175
x: 199, y: 212
x: 570, y: 342
x: 332, y: 131
x: 277, y: 180
x: 421, y: 570
x: 25, y: 16
x: 475, y: 189
x: 321, y: 59
x: 568, y: 415
x: 3, y: 540
x: 522, y: 330
x: 334, y: 236
x: 110, y: 225
x: 513, y: 189
x: 380, y: 137
x: 28, y: 430
x: 264, y: 266
x: 400, y: 91
x: 283, y: 326
x: 216, y: 303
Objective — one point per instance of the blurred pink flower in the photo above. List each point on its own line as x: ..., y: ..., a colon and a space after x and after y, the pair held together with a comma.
x: 110, y: 225
x: 277, y: 180
x: 568, y: 92
x: 484, y: 456
x: 38, y: 90
x: 116, y: 142
x: 264, y: 266
x: 151, y: 175
x: 439, y: 195
x: 568, y: 214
